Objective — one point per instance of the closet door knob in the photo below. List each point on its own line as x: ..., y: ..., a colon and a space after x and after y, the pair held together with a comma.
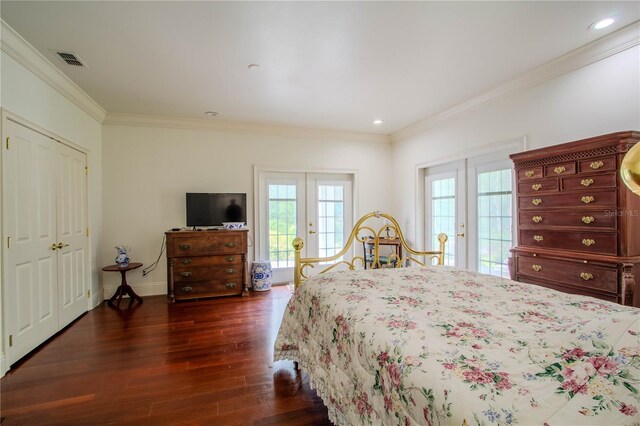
x: 54, y: 246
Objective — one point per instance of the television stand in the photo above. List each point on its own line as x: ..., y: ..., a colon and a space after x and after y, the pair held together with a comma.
x: 206, y: 264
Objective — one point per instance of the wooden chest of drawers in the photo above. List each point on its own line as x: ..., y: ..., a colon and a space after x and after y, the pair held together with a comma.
x: 578, y: 225
x: 206, y: 264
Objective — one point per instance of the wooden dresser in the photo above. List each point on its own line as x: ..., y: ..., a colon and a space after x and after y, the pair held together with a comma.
x: 578, y: 225
x: 206, y: 264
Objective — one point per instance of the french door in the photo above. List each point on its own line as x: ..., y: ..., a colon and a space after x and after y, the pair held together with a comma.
x: 317, y: 207
x: 46, y: 262
x: 472, y: 202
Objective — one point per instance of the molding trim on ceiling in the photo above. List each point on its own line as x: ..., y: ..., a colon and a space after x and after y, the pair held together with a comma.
x: 140, y: 120
x: 619, y: 41
x: 14, y: 45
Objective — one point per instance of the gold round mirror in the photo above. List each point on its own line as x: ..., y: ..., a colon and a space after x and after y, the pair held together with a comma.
x: 630, y: 169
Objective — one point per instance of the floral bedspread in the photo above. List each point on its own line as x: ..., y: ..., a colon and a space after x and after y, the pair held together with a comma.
x: 438, y: 345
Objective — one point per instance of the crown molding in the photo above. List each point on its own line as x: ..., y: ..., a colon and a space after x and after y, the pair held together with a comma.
x: 14, y: 45
x: 140, y: 120
x: 602, y: 48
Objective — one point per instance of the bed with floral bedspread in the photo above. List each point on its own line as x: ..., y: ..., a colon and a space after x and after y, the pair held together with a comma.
x: 438, y: 345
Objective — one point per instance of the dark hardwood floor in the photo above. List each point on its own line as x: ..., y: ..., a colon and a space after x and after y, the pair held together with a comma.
x: 204, y: 362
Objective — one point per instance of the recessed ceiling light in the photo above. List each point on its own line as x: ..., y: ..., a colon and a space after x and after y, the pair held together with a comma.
x: 210, y: 113
x: 253, y: 66
x: 602, y: 23
x: 377, y: 121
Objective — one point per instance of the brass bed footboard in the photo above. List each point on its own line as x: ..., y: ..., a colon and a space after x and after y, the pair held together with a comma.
x: 366, y: 234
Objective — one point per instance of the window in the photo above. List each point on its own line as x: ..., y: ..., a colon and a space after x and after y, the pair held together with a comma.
x: 282, y: 224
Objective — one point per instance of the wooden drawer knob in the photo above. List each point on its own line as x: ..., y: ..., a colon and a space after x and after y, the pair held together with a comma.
x: 529, y: 173
x: 586, y: 276
x: 185, y: 246
x: 185, y: 261
x: 588, y: 242
x: 538, y: 238
x: 536, y: 201
x: 536, y: 268
x: 559, y: 170
x: 230, y: 285
x: 536, y: 186
x: 586, y: 182
x: 588, y: 219
x: 230, y: 258
x: 588, y: 199
x: 596, y: 165
x: 229, y: 244
x: 537, y: 219
x: 186, y: 274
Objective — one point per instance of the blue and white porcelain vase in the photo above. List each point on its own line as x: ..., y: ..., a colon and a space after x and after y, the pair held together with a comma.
x: 122, y: 259
x: 261, y: 275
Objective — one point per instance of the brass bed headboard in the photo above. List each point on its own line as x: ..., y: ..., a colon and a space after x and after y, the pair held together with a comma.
x: 372, y: 238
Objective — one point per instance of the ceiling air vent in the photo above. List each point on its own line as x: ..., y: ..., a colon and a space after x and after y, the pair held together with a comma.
x: 70, y: 59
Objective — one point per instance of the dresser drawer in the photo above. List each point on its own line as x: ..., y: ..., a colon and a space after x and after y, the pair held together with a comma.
x: 586, y: 219
x: 228, y: 259
x: 597, y: 165
x: 588, y: 198
x: 215, y: 244
x: 537, y: 186
x: 200, y: 273
x: 569, y: 272
x: 209, y: 288
x: 588, y: 242
x: 530, y: 173
x: 584, y: 291
x: 583, y: 182
x: 560, y: 169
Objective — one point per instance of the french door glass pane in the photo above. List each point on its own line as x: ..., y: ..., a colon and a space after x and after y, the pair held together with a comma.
x: 443, y: 216
x: 494, y: 221
x: 330, y: 219
x: 282, y: 224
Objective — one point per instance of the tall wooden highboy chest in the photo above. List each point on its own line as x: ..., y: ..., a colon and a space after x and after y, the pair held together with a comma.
x: 578, y: 224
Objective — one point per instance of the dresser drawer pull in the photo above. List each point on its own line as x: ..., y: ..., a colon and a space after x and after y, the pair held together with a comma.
x: 185, y: 246
x: 230, y: 285
x: 537, y: 219
x: 529, y: 173
x: 185, y: 261
x: 588, y: 242
x: 231, y: 271
x: 559, y: 170
x: 186, y: 274
x: 538, y: 238
x: 586, y: 182
x: 596, y: 165
x: 229, y: 244
x: 186, y: 289
x: 536, y: 201
x: 588, y: 219
x: 586, y: 276
x: 536, y: 186
x: 537, y: 268
x: 587, y: 199
x: 230, y: 258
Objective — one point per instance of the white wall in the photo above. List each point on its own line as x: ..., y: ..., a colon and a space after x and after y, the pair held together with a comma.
x: 601, y: 98
x: 147, y: 171
x: 29, y: 97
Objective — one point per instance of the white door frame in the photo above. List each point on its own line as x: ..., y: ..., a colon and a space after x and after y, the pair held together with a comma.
x: 5, y: 116
x: 518, y: 144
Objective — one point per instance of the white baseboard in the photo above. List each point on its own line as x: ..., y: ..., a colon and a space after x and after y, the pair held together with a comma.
x: 3, y: 365
x: 141, y: 289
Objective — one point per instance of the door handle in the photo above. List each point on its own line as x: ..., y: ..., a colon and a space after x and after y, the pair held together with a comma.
x: 312, y: 232
x: 54, y: 246
x: 62, y: 245
x: 461, y: 234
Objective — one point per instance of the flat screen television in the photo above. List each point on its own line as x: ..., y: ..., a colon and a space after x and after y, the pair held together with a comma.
x: 212, y: 209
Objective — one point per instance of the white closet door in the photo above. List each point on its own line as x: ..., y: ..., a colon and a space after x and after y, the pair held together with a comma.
x: 31, y: 262
x: 71, y: 230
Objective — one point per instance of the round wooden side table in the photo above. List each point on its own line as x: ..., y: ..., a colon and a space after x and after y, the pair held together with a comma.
x: 124, y: 288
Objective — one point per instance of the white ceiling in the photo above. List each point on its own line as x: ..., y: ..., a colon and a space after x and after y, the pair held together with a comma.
x: 333, y: 65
